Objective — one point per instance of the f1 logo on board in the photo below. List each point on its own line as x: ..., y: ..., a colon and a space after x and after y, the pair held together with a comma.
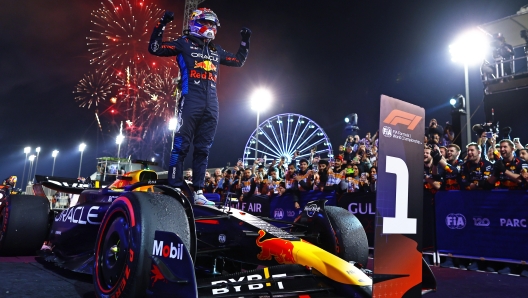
x: 401, y: 117
x: 166, y: 251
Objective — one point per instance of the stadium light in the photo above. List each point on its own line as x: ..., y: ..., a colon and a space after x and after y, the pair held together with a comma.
x: 260, y: 101
x: 36, y: 162
x: 26, y: 151
x: 54, y: 155
x: 31, y: 159
x: 82, y: 146
x: 119, y: 140
x: 470, y: 48
x: 458, y: 102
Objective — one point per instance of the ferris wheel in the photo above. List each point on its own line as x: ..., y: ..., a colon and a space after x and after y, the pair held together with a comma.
x: 282, y: 135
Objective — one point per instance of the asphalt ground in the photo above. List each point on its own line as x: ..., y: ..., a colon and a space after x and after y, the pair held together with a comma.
x: 22, y: 277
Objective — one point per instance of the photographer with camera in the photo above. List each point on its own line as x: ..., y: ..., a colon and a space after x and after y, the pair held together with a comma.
x: 209, y: 185
x: 502, y: 52
x: 449, y: 135
x: 487, y: 136
x: 434, y: 128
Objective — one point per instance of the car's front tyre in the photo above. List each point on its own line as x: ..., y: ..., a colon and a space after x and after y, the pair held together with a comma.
x: 124, y: 243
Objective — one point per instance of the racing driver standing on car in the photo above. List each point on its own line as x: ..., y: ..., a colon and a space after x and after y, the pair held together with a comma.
x: 198, y: 59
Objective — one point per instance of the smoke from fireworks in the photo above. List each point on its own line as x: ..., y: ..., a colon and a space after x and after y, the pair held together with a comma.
x: 121, y: 34
x: 92, y: 89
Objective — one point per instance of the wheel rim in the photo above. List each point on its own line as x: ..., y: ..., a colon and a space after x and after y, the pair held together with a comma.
x: 113, y: 252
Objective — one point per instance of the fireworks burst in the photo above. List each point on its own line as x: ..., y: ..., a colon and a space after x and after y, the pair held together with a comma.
x: 92, y: 89
x: 121, y: 35
x: 118, y: 43
x: 161, y: 87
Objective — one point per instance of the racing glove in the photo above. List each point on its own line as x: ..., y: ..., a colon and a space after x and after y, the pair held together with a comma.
x: 167, y: 17
x: 435, y: 154
x: 498, y: 168
x: 245, y: 33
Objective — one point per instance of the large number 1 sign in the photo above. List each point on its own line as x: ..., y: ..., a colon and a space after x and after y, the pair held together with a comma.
x: 400, y: 223
x: 397, y: 242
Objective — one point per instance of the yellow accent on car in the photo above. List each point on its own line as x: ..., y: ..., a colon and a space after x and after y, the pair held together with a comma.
x: 328, y: 264
x: 135, y: 177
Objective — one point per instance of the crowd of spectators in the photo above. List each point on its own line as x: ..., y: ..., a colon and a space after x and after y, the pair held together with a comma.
x: 354, y: 169
x: 486, y: 164
x: 495, y: 161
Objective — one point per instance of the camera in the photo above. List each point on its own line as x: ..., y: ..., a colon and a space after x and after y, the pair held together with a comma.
x: 488, y: 127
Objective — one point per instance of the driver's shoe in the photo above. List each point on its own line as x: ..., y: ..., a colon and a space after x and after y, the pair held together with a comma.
x: 200, y: 199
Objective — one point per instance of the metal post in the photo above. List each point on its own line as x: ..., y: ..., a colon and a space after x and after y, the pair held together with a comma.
x: 53, y: 168
x: 24, y: 172
x: 30, y: 170
x: 256, y: 135
x: 80, y: 163
x: 36, y: 163
x: 468, y: 103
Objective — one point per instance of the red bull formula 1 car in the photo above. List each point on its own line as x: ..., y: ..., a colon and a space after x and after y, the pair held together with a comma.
x: 141, y: 238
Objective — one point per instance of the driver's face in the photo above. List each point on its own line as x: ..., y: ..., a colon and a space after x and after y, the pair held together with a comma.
x: 207, y: 23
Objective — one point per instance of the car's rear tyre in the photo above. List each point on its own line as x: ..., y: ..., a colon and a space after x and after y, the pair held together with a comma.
x: 23, y: 225
x: 125, y: 239
x: 350, y: 241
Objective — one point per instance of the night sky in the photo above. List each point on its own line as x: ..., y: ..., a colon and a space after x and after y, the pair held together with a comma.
x: 321, y: 59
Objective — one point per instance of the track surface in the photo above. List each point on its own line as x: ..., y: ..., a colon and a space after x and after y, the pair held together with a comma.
x: 27, y: 277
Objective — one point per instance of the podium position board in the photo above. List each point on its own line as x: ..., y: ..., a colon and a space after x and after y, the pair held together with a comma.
x: 398, y: 232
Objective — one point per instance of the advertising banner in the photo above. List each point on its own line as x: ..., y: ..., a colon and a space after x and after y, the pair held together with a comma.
x: 256, y: 205
x: 398, y: 243
x: 483, y: 224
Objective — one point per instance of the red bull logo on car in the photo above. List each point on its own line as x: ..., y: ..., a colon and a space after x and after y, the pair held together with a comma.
x: 279, y: 248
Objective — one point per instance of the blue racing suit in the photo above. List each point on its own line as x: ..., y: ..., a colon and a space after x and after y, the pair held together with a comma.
x: 199, y: 61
